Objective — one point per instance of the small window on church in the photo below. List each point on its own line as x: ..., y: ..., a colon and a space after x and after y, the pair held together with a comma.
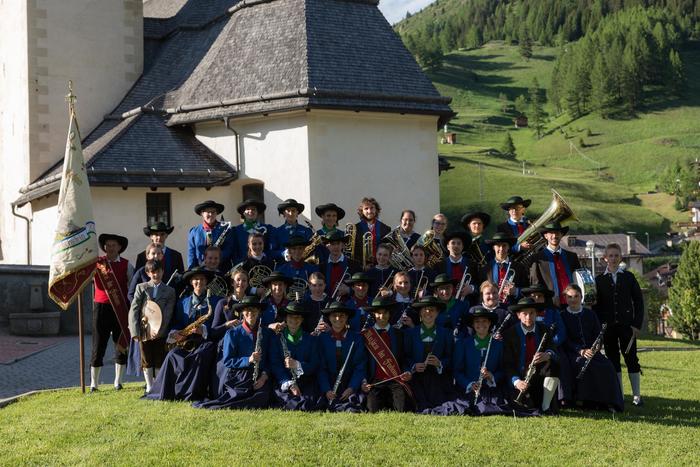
x: 255, y: 191
x: 158, y: 208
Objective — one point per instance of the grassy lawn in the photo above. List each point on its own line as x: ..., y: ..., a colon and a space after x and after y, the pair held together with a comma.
x: 117, y: 428
x: 607, y: 188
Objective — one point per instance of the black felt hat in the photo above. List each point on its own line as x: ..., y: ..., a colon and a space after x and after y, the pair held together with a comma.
x: 320, y: 210
x: 359, y: 277
x: 481, y: 312
x: 501, y: 237
x: 297, y: 240
x: 158, y: 227
x: 525, y: 303
x: 195, y: 271
x: 296, y: 308
x: 537, y: 288
x: 337, y: 307
x: 290, y: 203
x: 515, y: 200
x: 553, y: 227
x: 467, y: 218
x: 123, y: 241
x: 259, y: 205
x: 429, y: 300
x: 277, y: 276
x: 464, y: 236
x: 335, y: 236
x: 443, y: 279
x: 198, y: 208
x: 381, y: 303
x: 249, y: 301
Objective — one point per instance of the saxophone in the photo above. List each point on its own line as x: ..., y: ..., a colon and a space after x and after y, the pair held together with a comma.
x: 191, y: 328
x: 258, y: 348
x: 316, y: 240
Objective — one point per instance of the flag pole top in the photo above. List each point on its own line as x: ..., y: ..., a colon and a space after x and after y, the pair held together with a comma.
x: 70, y: 97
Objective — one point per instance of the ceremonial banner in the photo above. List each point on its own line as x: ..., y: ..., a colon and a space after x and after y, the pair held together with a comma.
x: 117, y: 298
x: 383, y: 356
x: 75, y: 242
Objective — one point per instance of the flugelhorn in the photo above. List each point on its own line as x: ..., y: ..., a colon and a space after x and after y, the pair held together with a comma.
x: 401, y: 258
x: 434, y: 252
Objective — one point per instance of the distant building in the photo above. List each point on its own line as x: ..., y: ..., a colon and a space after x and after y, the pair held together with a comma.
x: 633, y: 251
x: 521, y: 121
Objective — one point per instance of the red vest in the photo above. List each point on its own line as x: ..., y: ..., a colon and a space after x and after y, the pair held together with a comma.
x: 120, y: 268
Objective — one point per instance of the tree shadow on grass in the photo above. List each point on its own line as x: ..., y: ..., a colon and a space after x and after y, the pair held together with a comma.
x: 656, y: 411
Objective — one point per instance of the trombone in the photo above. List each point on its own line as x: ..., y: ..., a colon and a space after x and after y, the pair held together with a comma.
x: 422, y: 285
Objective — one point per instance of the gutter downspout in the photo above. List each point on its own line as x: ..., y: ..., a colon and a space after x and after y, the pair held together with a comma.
x: 29, y: 232
x: 227, y: 122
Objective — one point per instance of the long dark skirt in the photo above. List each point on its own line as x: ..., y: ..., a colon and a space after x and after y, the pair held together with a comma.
x: 491, y: 402
x: 307, y: 401
x: 184, y: 375
x: 133, y: 362
x: 353, y: 404
x: 431, y: 389
x: 238, y: 392
x: 599, y: 385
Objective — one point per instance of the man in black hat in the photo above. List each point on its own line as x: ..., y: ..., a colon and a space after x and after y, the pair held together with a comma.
x: 172, y: 259
x: 250, y: 211
x: 475, y: 223
x: 296, y: 267
x: 520, y: 345
x: 290, y: 209
x: 110, y: 311
x: 455, y: 310
x: 330, y: 215
x: 517, y: 223
x: 508, y: 276
x: 553, y: 266
x: 208, y: 233
x: 360, y: 284
x: 336, y: 265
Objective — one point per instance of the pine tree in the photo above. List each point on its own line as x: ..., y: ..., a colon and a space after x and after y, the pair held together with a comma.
x: 677, y: 75
x: 684, y: 296
x: 505, y: 103
x: 508, y: 146
x: 536, y: 116
x: 521, y: 104
x: 602, y: 87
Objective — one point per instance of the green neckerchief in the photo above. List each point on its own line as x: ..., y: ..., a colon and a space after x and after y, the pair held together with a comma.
x: 425, y: 332
x: 326, y: 230
x: 250, y: 224
x: 481, y: 343
x: 451, y: 302
x: 294, y: 338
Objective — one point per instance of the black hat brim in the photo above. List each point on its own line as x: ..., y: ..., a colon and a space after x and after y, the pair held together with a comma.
x: 348, y: 311
x: 441, y: 306
x: 239, y: 306
x: 259, y: 205
x: 320, y: 210
x: 536, y: 306
x: 149, y: 231
x: 123, y: 241
x: 467, y: 218
x: 270, y: 279
x: 327, y: 240
x: 491, y: 316
x: 525, y: 203
x: 208, y: 204
x: 562, y: 230
x: 461, y: 235
x: 543, y: 290
x: 193, y: 272
x: 493, y: 241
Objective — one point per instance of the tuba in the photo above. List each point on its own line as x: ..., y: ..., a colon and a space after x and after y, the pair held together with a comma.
x: 558, y: 211
x: 434, y: 250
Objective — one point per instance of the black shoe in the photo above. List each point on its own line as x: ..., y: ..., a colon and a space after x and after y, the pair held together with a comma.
x: 93, y: 389
x: 637, y: 401
x: 118, y: 387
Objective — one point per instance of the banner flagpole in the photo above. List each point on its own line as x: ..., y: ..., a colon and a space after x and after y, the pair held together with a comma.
x: 81, y: 336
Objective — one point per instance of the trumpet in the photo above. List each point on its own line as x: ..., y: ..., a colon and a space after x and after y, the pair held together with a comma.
x: 466, y: 280
x: 367, y: 256
x: 434, y: 251
x: 506, y: 284
x: 346, y: 276
x: 400, y: 256
x: 350, y: 231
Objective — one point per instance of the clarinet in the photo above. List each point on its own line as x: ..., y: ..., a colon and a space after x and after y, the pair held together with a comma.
x: 595, y: 348
x: 339, y: 379
x: 531, y: 370
x: 286, y: 353
x: 486, y: 359
x: 220, y: 240
x: 258, y: 348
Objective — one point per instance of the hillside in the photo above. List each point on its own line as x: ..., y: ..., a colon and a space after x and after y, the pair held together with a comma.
x: 606, y: 186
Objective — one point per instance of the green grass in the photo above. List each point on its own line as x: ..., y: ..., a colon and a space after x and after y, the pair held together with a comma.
x: 117, y: 428
x: 608, y: 195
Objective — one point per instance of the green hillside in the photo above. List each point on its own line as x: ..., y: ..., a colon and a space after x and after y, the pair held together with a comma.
x: 606, y: 184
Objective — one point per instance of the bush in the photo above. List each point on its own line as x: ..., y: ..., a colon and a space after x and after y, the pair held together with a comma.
x: 684, y: 295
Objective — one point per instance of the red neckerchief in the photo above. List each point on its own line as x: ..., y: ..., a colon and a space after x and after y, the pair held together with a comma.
x: 338, y: 336
x: 207, y: 227
x: 297, y: 264
x: 251, y: 331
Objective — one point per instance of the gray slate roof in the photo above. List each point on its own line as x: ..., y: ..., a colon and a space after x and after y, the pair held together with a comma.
x: 577, y: 243
x: 212, y: 59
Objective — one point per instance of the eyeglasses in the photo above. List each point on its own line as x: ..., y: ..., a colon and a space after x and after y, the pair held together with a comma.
x: 572, y: 296
x: 439, y: 223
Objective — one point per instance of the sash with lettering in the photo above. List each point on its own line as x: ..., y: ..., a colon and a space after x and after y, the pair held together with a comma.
x: 117, y: 299
x: 383, y: 356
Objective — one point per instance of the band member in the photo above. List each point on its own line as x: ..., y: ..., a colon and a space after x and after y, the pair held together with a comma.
x: 400, y: 290
x: 439, y: 226
x: 420, y: 274
x: 295, y: 362
x: 341, y: 392
x: 207, y: 234
x: 317, y: 300
x: 550, y: 314
x: 520, y: 344
x: 598, y: 387
x: 619, y: 303
x: 472, y: 371
x: 225, y: 317
x: 296, y: 267
x: 456, y: 311
x: 382, y: 270
x: 475, y: 223
x: 281, y: 235
x: 517, y: 223
x: 337, y: 264
x: 500, y: 268
x: 405, y: 229
x: 246, y: 356
x: 185, y: 371
x: 428, y: 349
x: 172, y: 259
x: 278, y: 284
x: 369, y: 210
x: 212, y: 259
x: 554, y: 266
x: 489, y: 301
x: 330, y: 215
x: 152, y: 349
x: 250, y: 211
x: 359, y: 283
x: 456, y: 265
x: 256, y: 254
x: 153, y: 252
x: 389, y: 395
x: 106, y: 319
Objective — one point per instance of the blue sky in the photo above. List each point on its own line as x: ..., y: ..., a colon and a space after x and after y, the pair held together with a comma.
x: 394, y: 10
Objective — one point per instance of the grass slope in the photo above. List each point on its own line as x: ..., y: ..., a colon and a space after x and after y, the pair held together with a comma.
x: 116, y: 428
x: 630, y: 153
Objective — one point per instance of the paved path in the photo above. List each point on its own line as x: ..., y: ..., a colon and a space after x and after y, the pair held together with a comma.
x: 55, y: 367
